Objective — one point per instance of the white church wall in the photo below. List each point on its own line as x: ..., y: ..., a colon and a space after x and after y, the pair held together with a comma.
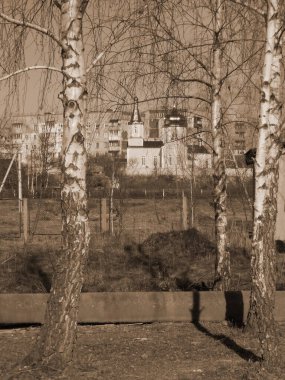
x: 143, y: 161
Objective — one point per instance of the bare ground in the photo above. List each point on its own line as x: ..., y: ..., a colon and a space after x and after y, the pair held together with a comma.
x: 157, y: 351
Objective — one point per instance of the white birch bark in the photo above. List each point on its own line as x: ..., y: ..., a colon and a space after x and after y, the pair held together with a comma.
x: 263, y: 260
x: 58, y: 334
x: 222, y: 270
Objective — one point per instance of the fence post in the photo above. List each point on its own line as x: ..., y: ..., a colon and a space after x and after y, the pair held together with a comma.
x: 20, y: 190
x: 26, y: 219
x: 103, y: 215
x: 184, y: 212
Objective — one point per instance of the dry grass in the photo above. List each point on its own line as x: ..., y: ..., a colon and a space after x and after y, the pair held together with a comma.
x: 163, y: 351
x: 148, y: 251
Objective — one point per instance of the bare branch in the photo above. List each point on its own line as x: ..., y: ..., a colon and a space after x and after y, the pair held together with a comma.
x: 32, y: 26
x: 170, y: 97
x: 115, y: 39
x: 251, y: 7
x: 57, y: 3
x: 99, y: 56
x: 188, y: 80
x: 26, y: 69
x: 83, y: 5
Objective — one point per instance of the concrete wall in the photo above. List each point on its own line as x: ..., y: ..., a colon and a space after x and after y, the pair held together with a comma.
x: 115, y: 307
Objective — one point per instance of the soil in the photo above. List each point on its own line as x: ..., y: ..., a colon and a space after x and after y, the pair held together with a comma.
x: 157, y: 351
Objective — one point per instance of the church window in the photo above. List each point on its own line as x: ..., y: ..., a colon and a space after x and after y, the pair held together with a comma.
x: 155, y: 161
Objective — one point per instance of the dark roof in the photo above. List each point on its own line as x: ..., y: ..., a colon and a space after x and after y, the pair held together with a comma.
x: 196, y: 149
x: 250, y: 156
x: 175, y: 119
x: 251, y: 153
x: 152, y: 144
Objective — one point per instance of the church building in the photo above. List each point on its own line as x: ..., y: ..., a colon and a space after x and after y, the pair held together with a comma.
x: 143, y: 156
x: 170, y: 154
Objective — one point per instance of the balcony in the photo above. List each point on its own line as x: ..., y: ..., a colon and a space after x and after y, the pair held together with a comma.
x: 115, y: 148
x: 114, y: 138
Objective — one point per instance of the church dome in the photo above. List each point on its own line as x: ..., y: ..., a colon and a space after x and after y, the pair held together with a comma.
x: 175, y: 119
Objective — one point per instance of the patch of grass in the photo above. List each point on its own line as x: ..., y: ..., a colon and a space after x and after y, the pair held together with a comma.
x: 174, y: 261
x: 148, y: 252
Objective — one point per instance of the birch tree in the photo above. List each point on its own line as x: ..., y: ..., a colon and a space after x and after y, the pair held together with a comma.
x: 54, y: 347
x: 222, y: 270
x: 196, y: 43
x: 57, y: 336
x: 263, y: 260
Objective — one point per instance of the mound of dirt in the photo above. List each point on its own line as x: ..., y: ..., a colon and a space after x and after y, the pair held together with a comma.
x: 190, y: 243
x: 171, y: 259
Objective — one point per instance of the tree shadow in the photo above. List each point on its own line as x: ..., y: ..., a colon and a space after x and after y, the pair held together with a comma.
x: 167, y: 257
x: 234, y: 314
x: 37, y: 272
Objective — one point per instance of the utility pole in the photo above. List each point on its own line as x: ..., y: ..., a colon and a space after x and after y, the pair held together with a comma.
x: 20, y: 185
x: 185, y: 225
x: 192, y: 187
x: 111, y: 215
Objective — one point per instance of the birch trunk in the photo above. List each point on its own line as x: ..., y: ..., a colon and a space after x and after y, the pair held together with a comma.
x: 263, y: 261
x: 222, y: 270
x: 58, y: 334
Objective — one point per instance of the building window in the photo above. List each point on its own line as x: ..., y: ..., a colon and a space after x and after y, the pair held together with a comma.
x: 143, y: 160
x: 197, y: 123
x: 18, y: 126
x: 97, y: 145
x: 155, y: 161
x: 135, y: 129
x: 240, y: 144
x: 170, y: 160
x: 241, y: 134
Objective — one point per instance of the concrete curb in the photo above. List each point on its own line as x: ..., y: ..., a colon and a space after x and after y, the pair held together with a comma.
x: 120, y: 307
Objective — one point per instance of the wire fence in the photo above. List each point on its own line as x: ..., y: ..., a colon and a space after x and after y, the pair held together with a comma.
x: 116, y: 262
x: 137, y: 217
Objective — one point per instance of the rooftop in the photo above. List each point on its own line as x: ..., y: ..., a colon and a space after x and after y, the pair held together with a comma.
x: 197, y: 149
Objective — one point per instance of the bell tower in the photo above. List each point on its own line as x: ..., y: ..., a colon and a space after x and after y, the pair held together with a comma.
x: 136, y: 127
